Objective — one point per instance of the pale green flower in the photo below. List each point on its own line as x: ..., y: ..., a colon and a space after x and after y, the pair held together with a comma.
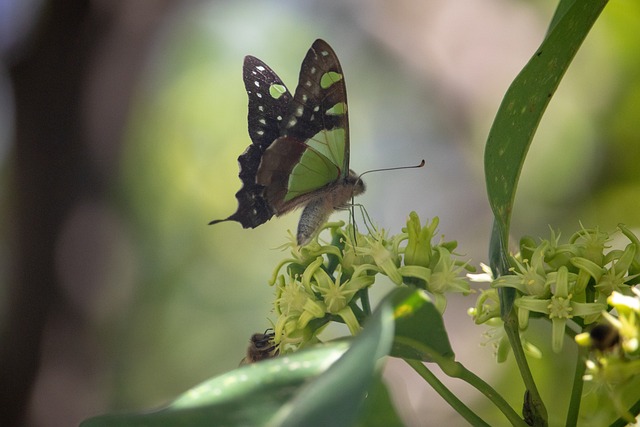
x: 387, y: 261
x: 290, y: 303
x: 337, y: 296
x: 487, y: 306
x: 418, y: 249
x: 530, y: 276
x: 559, y: 307
x: 321, y: 283
x: 446, y: 275
x: 615, y: 277
x: 496, y: 337
x: 591, y: 243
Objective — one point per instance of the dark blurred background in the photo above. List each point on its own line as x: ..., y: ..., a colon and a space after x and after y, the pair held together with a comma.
x: 120, y: 125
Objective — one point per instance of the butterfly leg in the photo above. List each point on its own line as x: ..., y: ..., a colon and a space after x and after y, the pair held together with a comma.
x: 371, y: 227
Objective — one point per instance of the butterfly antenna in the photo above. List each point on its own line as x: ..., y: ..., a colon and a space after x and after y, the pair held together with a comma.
x: 363, y: 211
x: 422, y: 163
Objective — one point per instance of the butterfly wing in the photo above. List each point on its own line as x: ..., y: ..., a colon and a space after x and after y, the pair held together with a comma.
x: 269, y: 101
x: 312, y: 151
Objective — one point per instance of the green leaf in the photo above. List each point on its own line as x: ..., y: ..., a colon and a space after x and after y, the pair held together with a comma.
x: 525, y: 102
x: 287, y: 390
x: 334, y: 384
x: 418, y: 321
x: 335, y: 398
x: 378, y: 410
x: 223, y: 400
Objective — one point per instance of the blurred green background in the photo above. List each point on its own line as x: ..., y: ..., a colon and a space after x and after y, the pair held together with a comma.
x: 140, y: 299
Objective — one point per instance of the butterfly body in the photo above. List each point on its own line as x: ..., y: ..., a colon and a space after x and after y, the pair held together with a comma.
x: 300, y: 151
x: 323, y: 203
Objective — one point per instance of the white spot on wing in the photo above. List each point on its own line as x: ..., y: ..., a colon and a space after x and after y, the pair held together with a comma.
x: 257, y: 83
x: 260, y: 68
x: 292, y: 122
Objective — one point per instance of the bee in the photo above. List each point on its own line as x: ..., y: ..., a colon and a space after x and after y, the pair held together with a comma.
x: 604, y: 337
x: 262, y: 346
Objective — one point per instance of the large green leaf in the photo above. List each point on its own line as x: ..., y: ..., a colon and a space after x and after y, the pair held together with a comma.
x: 522, y: 108
x: 507, y: 145
x: 418, y: 321
x: 335, y: 398
x: 378, y: 409
x: 224, y: 400
x: 334, y: 384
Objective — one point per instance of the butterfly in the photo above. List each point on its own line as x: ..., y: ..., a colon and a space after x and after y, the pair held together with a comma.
x: 299, y: 156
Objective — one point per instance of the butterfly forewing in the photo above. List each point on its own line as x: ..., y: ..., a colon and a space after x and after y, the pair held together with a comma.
x: 268, y: 101
x: 312, y: 152
x: 318, y: 113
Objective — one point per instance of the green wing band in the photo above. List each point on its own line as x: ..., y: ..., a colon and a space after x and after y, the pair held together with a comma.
x: 330, y: 143
x: 319, y: 164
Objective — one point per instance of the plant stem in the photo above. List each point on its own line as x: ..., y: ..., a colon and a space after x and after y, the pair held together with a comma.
x: 622, y: 421
x: 364, y: 298
x: 446, y: 394
x: 578, y: 384
x: 534, y: 409
x: 458, y: 370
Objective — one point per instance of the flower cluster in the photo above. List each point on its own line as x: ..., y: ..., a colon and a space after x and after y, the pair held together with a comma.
x: 567, y: 282
x: 326, y: 282
x: 487, y: 311
x: 613, y: 368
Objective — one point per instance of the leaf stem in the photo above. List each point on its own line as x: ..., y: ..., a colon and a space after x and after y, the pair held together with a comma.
x: 457, y: 370
x: 446, y: 394
x: 535, y: 411
x: 622, y: 421
x: 366, y: 304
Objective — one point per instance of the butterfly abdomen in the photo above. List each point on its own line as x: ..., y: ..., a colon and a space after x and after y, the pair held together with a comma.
x: 313, y: 216
x: 324, y: 202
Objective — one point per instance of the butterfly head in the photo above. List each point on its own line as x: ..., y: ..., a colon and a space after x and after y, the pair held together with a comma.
x: 354, y: 181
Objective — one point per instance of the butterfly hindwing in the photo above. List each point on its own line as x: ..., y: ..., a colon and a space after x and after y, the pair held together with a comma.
x: 268, y: 104
x: 313, y: 149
